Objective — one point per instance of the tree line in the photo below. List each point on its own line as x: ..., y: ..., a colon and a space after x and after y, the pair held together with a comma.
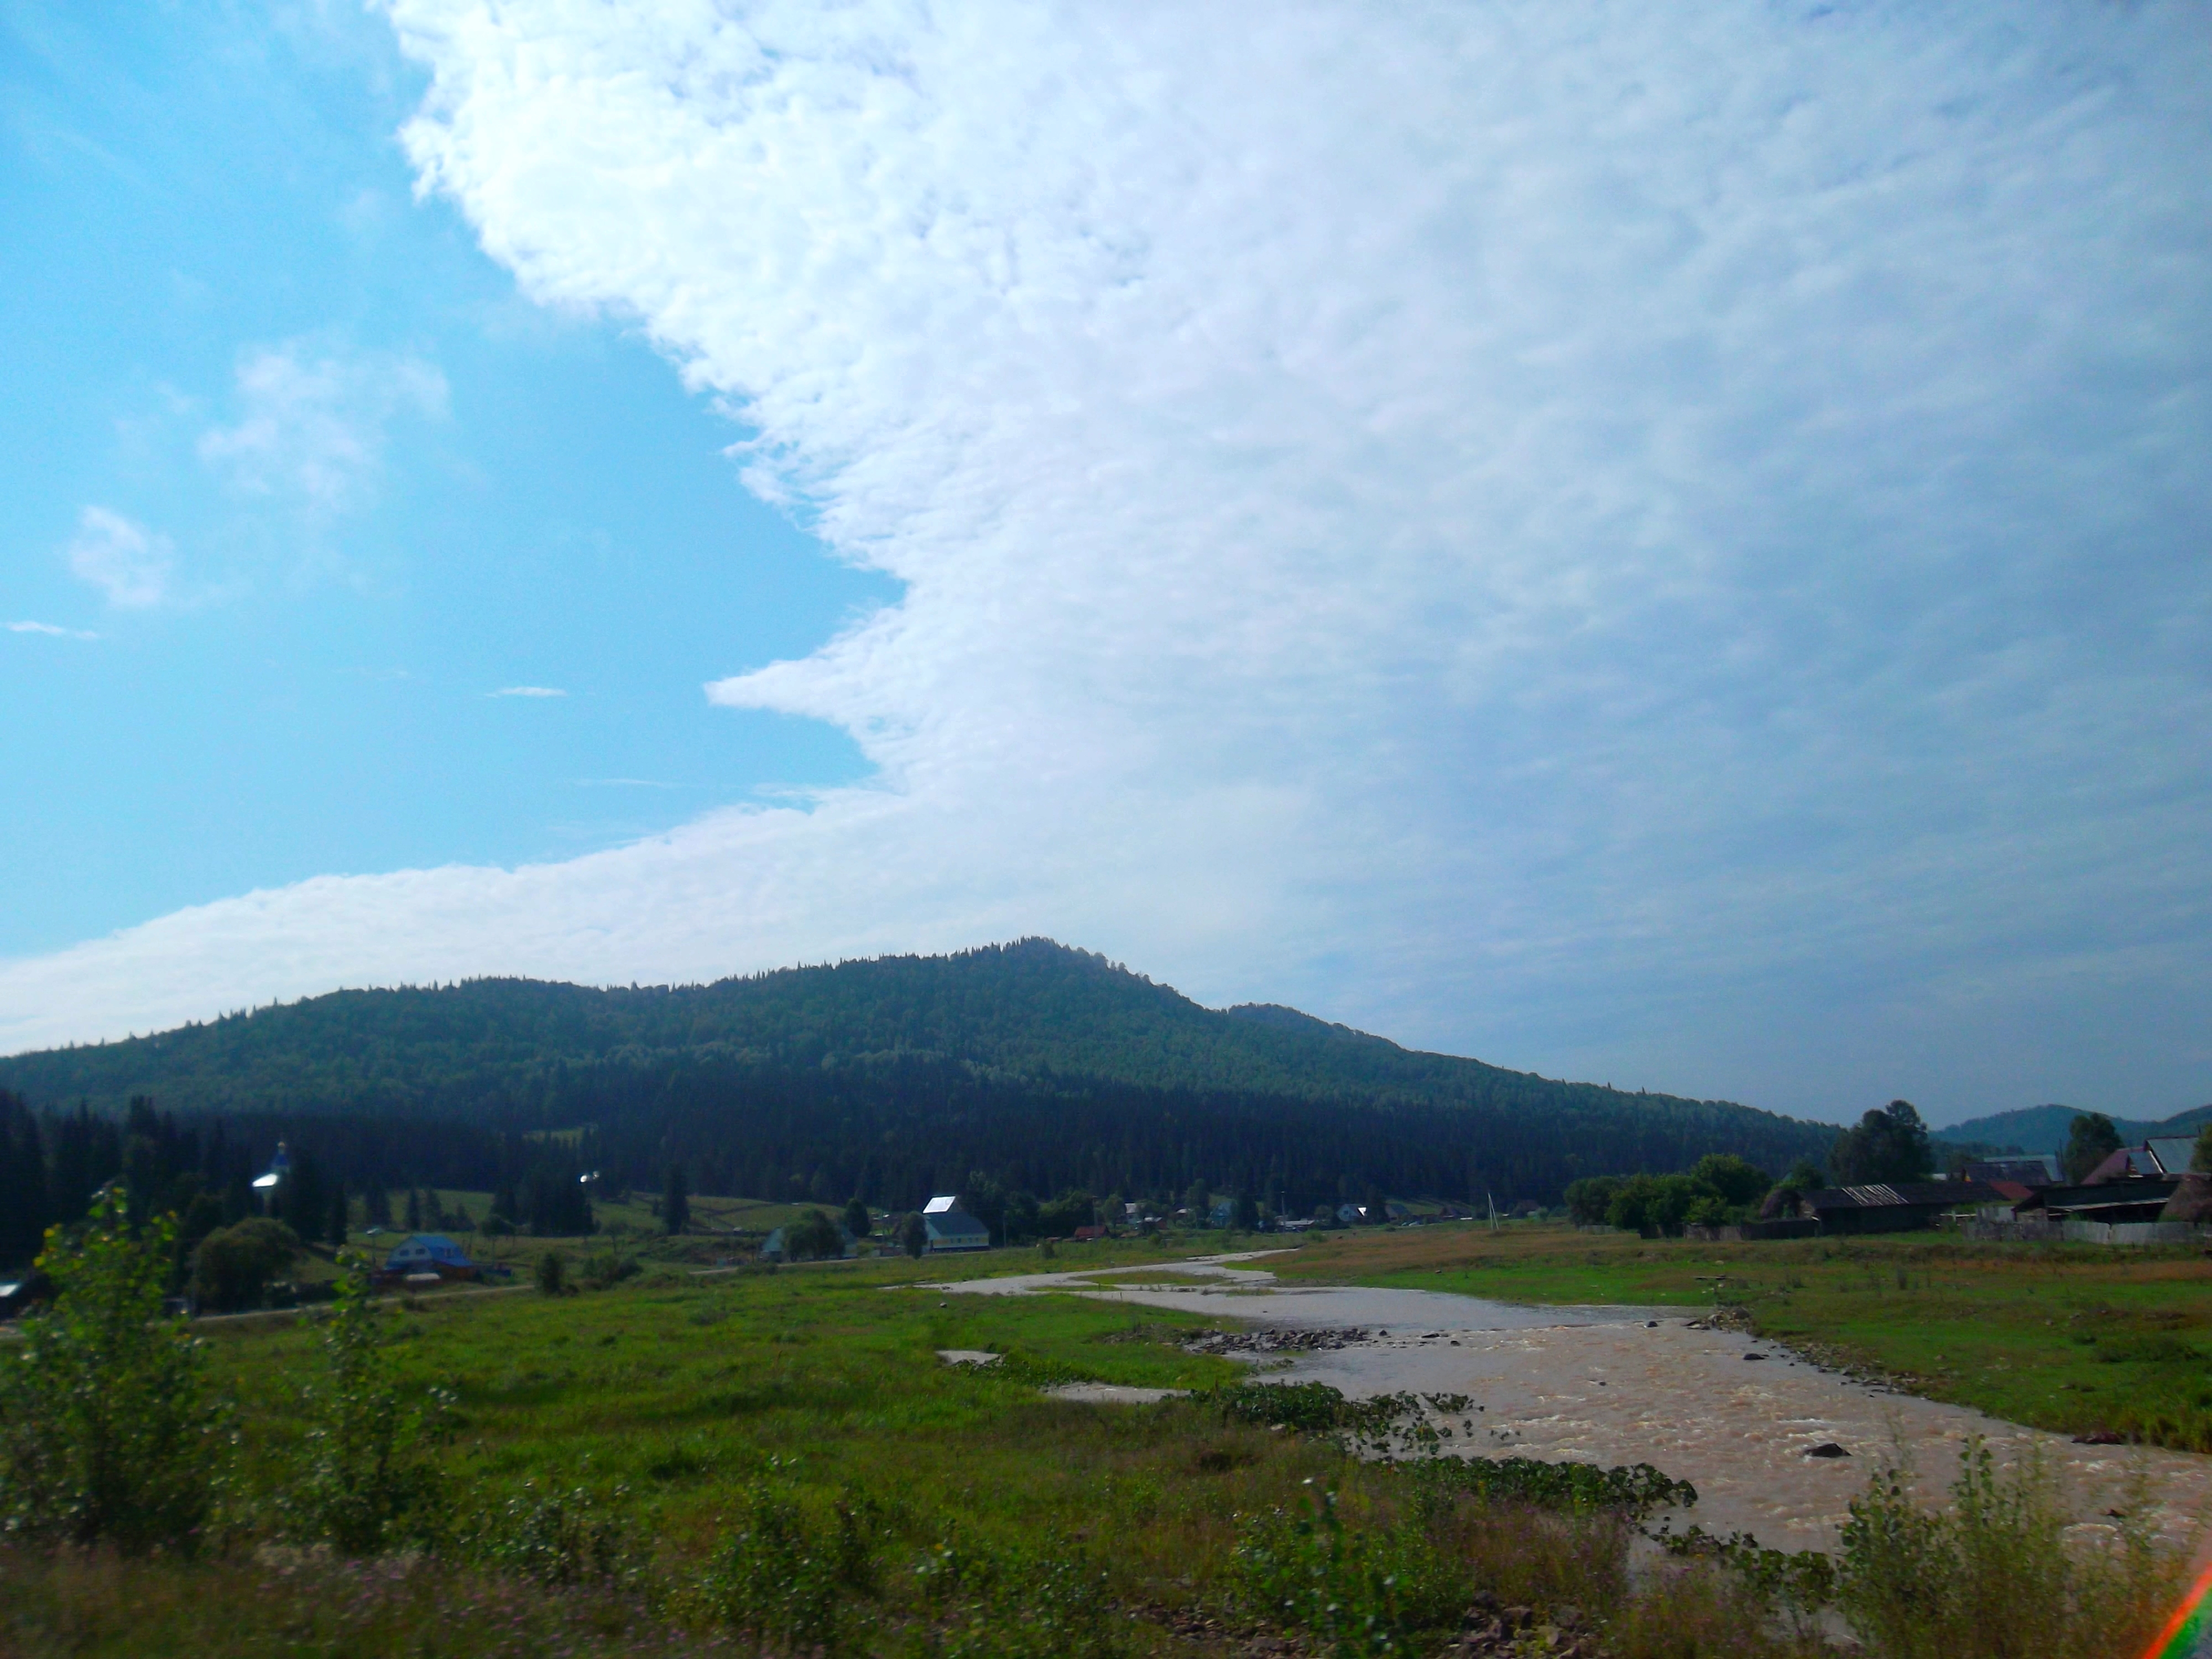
x: 892, y: 1131
x: 55, y: 1165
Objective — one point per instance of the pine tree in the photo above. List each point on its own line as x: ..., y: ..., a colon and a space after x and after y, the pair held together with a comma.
x: 414, y: 1211
x: 22, y: 1183
x: 675, y: 1201
x: 302, y: 1200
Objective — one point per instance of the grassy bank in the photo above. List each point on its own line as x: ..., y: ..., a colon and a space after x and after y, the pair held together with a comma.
x: 2074, y: 1338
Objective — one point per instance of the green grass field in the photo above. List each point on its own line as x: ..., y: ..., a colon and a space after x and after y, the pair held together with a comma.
x: 744, y: 1460
x: 2071, y: 1337
x: 612, y: 1444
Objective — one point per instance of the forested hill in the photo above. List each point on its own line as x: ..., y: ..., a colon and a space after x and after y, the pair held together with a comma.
x: 1010, y: 1055
x: 2045, y: 1128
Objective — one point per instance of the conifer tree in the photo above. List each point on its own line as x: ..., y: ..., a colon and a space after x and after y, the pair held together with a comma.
x: 675, y: 1201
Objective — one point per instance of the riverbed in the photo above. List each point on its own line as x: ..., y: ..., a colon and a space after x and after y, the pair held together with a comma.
x: 1739, y: 1417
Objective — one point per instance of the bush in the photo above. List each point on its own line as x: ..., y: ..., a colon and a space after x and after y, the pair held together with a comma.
x: 234, y: 1266
x: 785, y: 1574
x: 556, y: 1537
x: 606, y: 1268
x: 1589, y: 1199
x: 1994, y: 1576
x: 1654, y: 1205
x: 813, y: 1238
x: 1737, y: 1180
x: 1632, y: 1493
x: 551, y: 1272
x: 1359, y: 1594
x: 106, y: 1430
x: 369, y: 1477
x: 913, y: 1235
x: 1012, y: 1604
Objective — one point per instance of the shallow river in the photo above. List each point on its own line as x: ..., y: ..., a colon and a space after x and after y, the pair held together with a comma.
x: 1611, y: 1385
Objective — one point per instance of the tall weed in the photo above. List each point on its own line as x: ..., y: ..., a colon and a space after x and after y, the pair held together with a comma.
x: 1995, y: 1576
x: 553, y: 1536
x: 981, y: 1603
x: 1360, y: 1592
x: 787, y: 1573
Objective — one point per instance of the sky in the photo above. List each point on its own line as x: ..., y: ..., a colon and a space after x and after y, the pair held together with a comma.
x: 1662, y: 546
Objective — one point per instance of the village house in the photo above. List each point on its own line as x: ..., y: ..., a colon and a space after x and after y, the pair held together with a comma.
x: 1892, y: 1206
x: 951, y: 1228
x: 423, y: 1256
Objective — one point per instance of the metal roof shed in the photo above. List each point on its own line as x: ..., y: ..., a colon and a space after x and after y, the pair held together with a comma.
x: 951, y: 1228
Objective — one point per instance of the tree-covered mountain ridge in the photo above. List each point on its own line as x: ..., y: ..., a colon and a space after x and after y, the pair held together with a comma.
x: 2044, y: 1128
x: 1030, y: 1010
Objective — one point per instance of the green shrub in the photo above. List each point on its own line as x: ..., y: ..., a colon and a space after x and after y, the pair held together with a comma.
x: 107, y: 1432
x: 813, y: 1238
x: 1358, y: 1593
x: 1049, y: 1603
x: 1310, y: 1408
x: 369, y: 1475
x: 606, y: 1268
x: 233, y: 1265
x: 554, y: 1536
x: 1993, y: 1576
x: 785, y: 1576
x: 551, y: 1272
x: 1632, y: 1492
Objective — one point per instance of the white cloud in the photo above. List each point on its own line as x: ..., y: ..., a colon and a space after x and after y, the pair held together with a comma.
x: 311, y: 428
x: 530, y: 691
x: 52, y: 630
x: 128, y: 562
x: 1654, y: 544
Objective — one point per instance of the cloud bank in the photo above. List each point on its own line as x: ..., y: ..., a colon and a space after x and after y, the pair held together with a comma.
x: 1662, y: 548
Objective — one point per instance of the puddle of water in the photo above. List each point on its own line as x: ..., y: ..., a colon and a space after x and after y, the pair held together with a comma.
x: 1113, y: 1393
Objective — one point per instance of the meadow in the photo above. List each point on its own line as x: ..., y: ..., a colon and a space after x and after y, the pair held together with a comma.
x: 2079, y: 1339
x: 747, y: 1459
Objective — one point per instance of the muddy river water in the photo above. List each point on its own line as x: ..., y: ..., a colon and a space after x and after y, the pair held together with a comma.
x: 1733, y: 1415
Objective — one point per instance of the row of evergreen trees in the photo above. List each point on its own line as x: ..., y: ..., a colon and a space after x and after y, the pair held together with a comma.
x: 52, y: 1165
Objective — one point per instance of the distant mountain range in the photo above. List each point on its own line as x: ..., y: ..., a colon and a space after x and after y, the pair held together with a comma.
x: 1046, y: 1066
x: 2044, y: 1128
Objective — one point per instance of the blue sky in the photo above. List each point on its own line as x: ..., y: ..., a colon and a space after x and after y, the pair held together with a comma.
x: 1664, y: 547
x: 192, y: 190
